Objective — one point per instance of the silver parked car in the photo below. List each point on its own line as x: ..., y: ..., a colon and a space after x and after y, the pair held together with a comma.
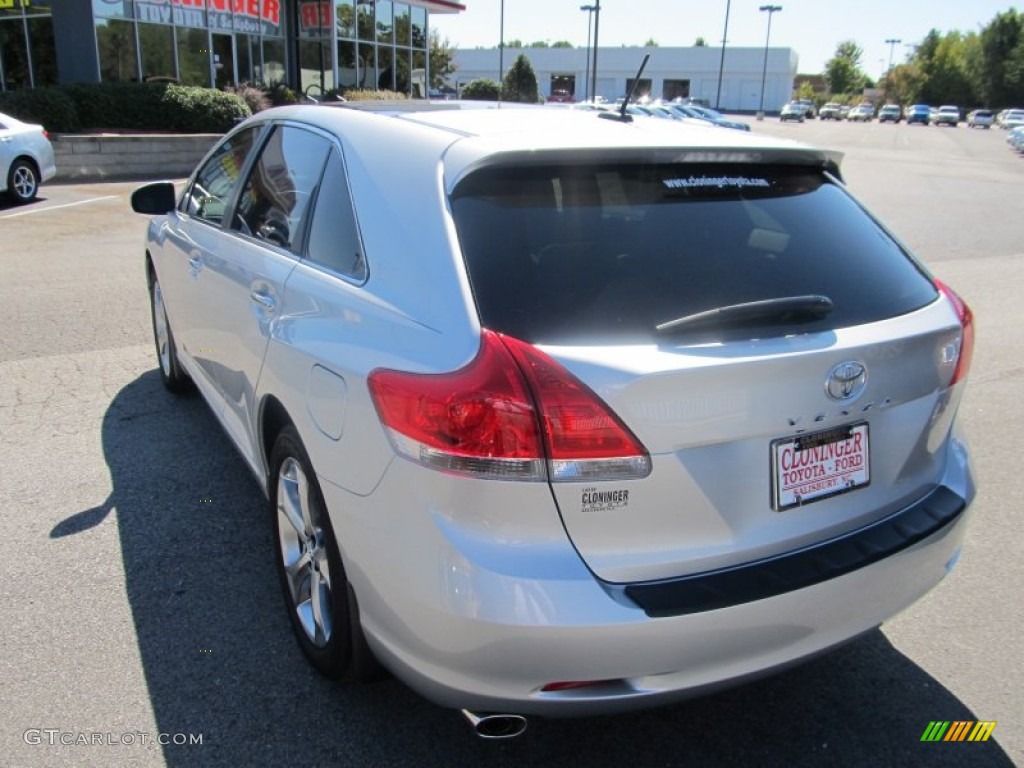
x: 26, y: 159
x: 563, y: 413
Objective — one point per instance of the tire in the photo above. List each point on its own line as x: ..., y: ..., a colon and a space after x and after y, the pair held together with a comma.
x: 171, y: 373
x: 22, y: 181
x: 321, y: 604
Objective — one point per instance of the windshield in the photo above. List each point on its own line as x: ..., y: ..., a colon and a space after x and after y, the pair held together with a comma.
x: 587, y: 254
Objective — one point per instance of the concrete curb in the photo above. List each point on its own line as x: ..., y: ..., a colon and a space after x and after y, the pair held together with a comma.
x: 108, y: 157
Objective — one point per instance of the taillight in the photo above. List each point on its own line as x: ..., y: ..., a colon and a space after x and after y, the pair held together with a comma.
x: 46, y: 134
x: 512, y: 413
x: 965, y: 350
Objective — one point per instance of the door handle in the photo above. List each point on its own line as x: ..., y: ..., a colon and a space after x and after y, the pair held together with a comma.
x: 265, y: 301
x: 196, y: 263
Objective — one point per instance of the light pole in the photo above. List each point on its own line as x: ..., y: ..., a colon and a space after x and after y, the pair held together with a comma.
x: 764, y: 71
x: 593, y: 62
x: 501, y: 49
x: 892, y: 42
x: 721, y: 62
x: 586, y: 79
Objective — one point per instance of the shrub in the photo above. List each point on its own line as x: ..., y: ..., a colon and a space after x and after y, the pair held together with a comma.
x: 365, y: 94
x: 281, y: 95
x: 481, y: 89
x: 127, y: 106
x: 51, y: 107
x: 254, y: 97
x: 191, y: 109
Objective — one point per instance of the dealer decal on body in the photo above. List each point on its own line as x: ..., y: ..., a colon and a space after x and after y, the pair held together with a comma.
x: 593, y: 500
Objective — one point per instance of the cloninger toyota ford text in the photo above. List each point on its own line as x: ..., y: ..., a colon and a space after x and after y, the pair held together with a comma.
x: 560, y: 413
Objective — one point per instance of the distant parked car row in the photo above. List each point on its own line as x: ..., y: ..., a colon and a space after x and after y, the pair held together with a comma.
x: 948, y: 114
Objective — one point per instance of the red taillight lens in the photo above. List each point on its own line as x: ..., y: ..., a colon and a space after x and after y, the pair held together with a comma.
x: 479, y: 419
x: 584, y: 439
x: 46, y: 134
x: 966, y: 317
x: 511, y: 413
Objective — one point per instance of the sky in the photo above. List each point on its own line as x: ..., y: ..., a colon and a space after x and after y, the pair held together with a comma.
x: 813, y: 28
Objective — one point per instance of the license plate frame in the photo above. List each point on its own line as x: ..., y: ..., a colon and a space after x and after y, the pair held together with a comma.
x: 814, y: 466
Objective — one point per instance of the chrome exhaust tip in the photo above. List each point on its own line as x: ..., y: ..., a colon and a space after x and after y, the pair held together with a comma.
x: 489, y: 725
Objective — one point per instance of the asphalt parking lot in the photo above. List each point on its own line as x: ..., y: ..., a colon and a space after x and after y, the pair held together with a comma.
x: 138, y: 596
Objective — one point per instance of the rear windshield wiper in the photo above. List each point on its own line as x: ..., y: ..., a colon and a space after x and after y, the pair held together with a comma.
x: 786, y: 309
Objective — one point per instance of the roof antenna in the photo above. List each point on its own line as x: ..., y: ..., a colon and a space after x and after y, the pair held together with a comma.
x: 621, y: 115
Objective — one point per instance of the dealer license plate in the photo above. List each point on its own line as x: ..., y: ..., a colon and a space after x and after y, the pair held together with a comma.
x: 812, y: 467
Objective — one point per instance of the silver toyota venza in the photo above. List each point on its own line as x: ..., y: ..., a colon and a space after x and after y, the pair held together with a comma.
x: 560, y: 413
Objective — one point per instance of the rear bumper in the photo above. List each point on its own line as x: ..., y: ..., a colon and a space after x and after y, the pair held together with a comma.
x: 480, y: 607
x: 804, y: 568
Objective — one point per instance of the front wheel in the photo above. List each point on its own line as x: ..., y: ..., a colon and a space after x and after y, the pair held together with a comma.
x: 171, y: 373
x: 22, y: 182
x: 321, y: 604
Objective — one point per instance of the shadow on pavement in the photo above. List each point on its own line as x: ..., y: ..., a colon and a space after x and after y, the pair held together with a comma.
x: 219, y: 658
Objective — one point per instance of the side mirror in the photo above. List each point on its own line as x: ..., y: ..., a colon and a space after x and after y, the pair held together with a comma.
x: 156, y: 199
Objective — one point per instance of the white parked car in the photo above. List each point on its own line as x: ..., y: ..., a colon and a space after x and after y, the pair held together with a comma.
x: 26, y: 159
x: 1011, y: 118
x: 561, y: 413
x: 980, y: 118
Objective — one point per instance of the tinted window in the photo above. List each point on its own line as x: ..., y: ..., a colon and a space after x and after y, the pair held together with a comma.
x: 278, y: 190
x: 584, y: 254
x: 210, y: 193
x: 333, y: 236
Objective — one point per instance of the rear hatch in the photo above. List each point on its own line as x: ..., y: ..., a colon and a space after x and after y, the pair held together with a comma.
x: 782, y: 359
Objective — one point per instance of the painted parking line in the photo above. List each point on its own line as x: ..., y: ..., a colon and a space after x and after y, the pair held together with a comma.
x: 55, y: 207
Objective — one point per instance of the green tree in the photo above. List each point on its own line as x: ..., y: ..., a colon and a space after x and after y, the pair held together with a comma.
x: 943, y: 60
x: 651, y: 43
x: 540, y: 44
x: 514, y: 43
x: 999, y: 69
x: 561, y: 44
x: 842, y: 72
x: 520, y: 82
x: 700, y: 42
x: 442, y: 59
x: 805, y: 92
x: 481, y: 89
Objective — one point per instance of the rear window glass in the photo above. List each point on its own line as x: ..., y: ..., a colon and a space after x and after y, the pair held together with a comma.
x: 591, y: 254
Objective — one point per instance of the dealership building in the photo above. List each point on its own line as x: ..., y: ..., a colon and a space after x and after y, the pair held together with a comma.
x: 307, y: 44
x: 670, y: 73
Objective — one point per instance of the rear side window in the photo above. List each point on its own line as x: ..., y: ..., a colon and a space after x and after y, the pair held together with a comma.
x: 333, y: 237
x: 279, y: 188
x: 588, y: 254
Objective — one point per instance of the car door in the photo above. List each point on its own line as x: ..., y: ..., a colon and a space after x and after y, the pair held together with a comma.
x: 7, y: 141
x: 194, y: 235
x: 243, y: 284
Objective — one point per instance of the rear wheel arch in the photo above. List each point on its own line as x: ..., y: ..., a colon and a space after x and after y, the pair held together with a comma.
x: 274, y: 418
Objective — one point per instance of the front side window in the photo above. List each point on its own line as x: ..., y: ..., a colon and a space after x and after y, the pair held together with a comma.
x: 333, y: 236
x: 598, y: 252
x: 282, y: 182
x: 216, y: 182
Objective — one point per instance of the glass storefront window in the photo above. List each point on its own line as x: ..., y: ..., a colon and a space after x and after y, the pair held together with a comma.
x: 419, y: 75
x: 247, y: 49
x: 116, y: 43
x: 316, y: 66
x: 109, y: 10
x: 10, y: 8
x: 347, y: 75
x: 38, y: 7
x: 193, y: 56
x: 364, y: 19
x: 402, y: 24
x: 345, y: 18
x: 403, y: 60
x: 419, y: 27
x: 315, y: 18
x: 385, y: 22
x: 44, y: 54
x: 272, y: 70
x: 157, y: 44
x: 386, y: 68
x: 367, y: 65
x: 13, y: 55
